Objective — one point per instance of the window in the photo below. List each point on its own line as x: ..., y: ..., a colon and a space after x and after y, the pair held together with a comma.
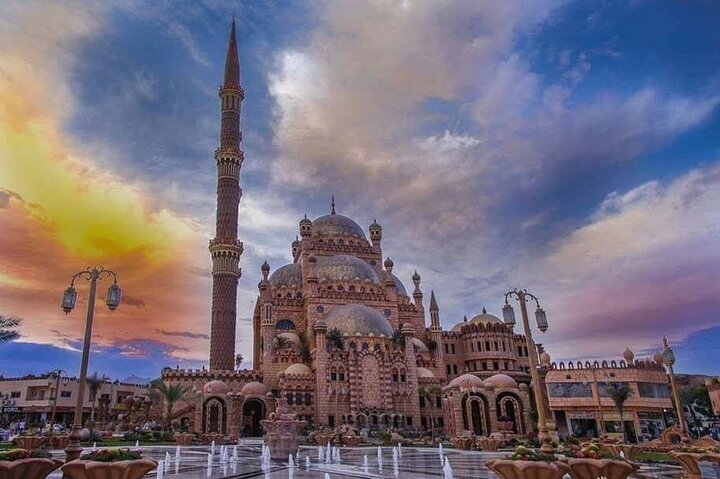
x: 423, y: 422
x: 285, y: 325
x: 495, y: 365
x: 487, y: 345
x: 525, y: 351
x: 341, y: 376
x: 569, y: 390
x: 14, y: 394
x: 472, y: 347
x: 333, y: 376
x: 496, y: 346
x: 653, y: 390
x: 331, y: 421
x: 503, y: 346
x: 422, y: 401
x: 438, y: 402
x: 446, y: 349
x: 454, y: 368
x: 409, y: 420
x: 520, y: 351
x: 289, y: 398
x: 308, y: 399
x: 298, y: 399
x: 395, y: 374
x: 479, y: 346
x: 441, y: 422
x: 447, y: 367
x: 484, y: 364
x: 403, y: 378
x: 452, y: 346
x: 65, y: 394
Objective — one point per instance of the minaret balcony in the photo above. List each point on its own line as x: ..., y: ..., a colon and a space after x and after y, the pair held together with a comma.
x: 223, y: 246
x: 230, y: 151
x: 227, y: 89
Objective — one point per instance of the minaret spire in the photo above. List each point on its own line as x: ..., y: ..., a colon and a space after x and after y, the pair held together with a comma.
x: 225, y: 248
x: 232, y: 63
x: 332, y: 205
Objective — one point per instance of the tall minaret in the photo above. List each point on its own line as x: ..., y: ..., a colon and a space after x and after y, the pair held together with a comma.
x: 225, y: 249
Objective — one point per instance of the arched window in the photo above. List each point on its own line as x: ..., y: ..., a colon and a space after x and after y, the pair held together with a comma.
x: 285, y: 325
x: 308, y: 399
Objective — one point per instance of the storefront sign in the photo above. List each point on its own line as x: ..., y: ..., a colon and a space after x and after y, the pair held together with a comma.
x: 11, y: 409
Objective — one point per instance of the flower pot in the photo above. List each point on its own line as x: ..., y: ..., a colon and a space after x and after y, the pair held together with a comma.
x: 690, y: 462
x: 82, y: 469
x: 29, y: 442
x: 31, y: 468
x: 488, y: 444
x: 323, y: 439
x: 351, y: 441
x: 462, y: 442
x: 215, y: 437
x: 509, y: 469
x: 60, y: 442
x: 593, y: 468
x: 183, y: 439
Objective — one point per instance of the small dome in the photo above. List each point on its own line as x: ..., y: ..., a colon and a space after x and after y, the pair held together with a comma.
x: 337, y: 225
x: 425, y: 373
x: 344, y: 267
x: 254, y: 389
x: 502, y: 381
x: 628, y: 355
x: 420, y: 345
x: 359, y: 319
x: 416, y: 276
x: 265, y: 266
x: 544, y: 358
x: 288, y: 275
x: 399, y: 286
x: 466, y: 381
x: 389, y: 263
x: 658, y: 357
x: 298, y: 369
x: 215, y: 387
x: 483, y: 318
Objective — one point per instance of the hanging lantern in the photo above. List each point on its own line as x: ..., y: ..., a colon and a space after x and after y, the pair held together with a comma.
x: 113, y: 297
x: 541, y: 319
x: 508, y: 314
x: 68, y: 299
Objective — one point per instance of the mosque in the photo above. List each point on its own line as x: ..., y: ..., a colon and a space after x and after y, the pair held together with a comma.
x: 339, y: 335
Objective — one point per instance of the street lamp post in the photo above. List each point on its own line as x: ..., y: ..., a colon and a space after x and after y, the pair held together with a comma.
x: 112, y: 300
x: 523, y: 296
x: 668, y: 359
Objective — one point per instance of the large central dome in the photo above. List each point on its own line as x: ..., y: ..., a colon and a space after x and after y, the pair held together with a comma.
x: 344, y: 267
x: 288, y: 275
x: 337, y: 225
x: 358, y: 319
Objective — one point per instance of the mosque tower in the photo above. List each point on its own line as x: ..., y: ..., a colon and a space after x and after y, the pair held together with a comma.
x: 225, y: 249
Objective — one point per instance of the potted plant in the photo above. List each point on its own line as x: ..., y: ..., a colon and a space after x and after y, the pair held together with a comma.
x: 25, y: 464
x: 184, y: 439
x: 690, y: 458
x: 60, y: 441
x: 527, y: 463
x: 590, y: 461
x: 505, y: 424
x: 486, y: 443
x: 109, y: 464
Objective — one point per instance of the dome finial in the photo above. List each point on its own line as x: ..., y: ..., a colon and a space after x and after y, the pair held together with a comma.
x: 332, y: 211
x: 484, y: 310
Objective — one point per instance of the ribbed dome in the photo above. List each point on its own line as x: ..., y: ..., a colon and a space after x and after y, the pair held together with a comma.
x: 344, y: 267
x: 336, y: 225
x: 298, y: 369
x: 425, y: 373
x: 466, y: 381
x: 358, y: 319
x: 399, y: 286
x: 501, y: 381
x: 254, y: 389
x: 288, y: 275
x: 483, y: 318
x: 215, y: 387
x: 420, y: 345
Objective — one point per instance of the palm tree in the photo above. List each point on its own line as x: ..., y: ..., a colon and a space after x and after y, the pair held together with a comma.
x: 170, y: 393
x: 94, y: 383
x: 398, y: 337
x: 429, y: 394
x: 334, y: 337
x: 8, y: 328
x: 620, y: 394
x: 238, y: 360
x: 304, y: 349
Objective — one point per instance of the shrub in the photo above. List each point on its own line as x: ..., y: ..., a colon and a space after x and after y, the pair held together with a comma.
x: 112, y: 455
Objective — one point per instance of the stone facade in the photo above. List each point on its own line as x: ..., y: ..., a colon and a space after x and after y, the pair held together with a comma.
x: 581, y: 406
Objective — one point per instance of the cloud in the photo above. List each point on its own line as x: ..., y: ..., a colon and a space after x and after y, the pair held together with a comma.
x: 644, y: 266
x: 183, y: 334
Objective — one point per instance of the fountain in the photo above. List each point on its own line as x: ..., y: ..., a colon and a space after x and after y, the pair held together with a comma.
x: 447, y: 470
x: 282, y: 431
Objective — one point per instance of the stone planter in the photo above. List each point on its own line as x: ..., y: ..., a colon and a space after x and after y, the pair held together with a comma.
x: 505, y: 426
x: 135, y: 469
x: 217, y: 437
x: 60, y: 442
x: 488, y: 444
x: 509, y: 469
x: 29, y: 442
x: 31, y: 468
x: 594, y: 468
x: 462, y: 442
x: 690, y: 462
x: 351, y: 441
x: 184, y: 439
x: 615, y: 449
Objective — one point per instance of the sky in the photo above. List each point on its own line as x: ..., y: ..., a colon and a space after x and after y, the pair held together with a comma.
x: 570, y: 148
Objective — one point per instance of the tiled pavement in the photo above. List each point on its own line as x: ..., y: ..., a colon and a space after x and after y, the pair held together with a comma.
x: 415, y: 463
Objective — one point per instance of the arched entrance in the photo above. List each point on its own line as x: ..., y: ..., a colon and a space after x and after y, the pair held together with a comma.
x: 509, y: 408
x: 253, y: 412
x: 475, y: 415
x: 214, y: 416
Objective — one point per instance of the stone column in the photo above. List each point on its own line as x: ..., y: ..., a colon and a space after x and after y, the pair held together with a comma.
x: 321, y: 356
x: 413, y: 407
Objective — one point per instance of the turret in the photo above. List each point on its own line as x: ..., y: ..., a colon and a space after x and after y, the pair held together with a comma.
x: 417, y: 294
x: 305, y: 227
x: 434, y: 312
x: 295, y: 247
x: 376, y: 237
